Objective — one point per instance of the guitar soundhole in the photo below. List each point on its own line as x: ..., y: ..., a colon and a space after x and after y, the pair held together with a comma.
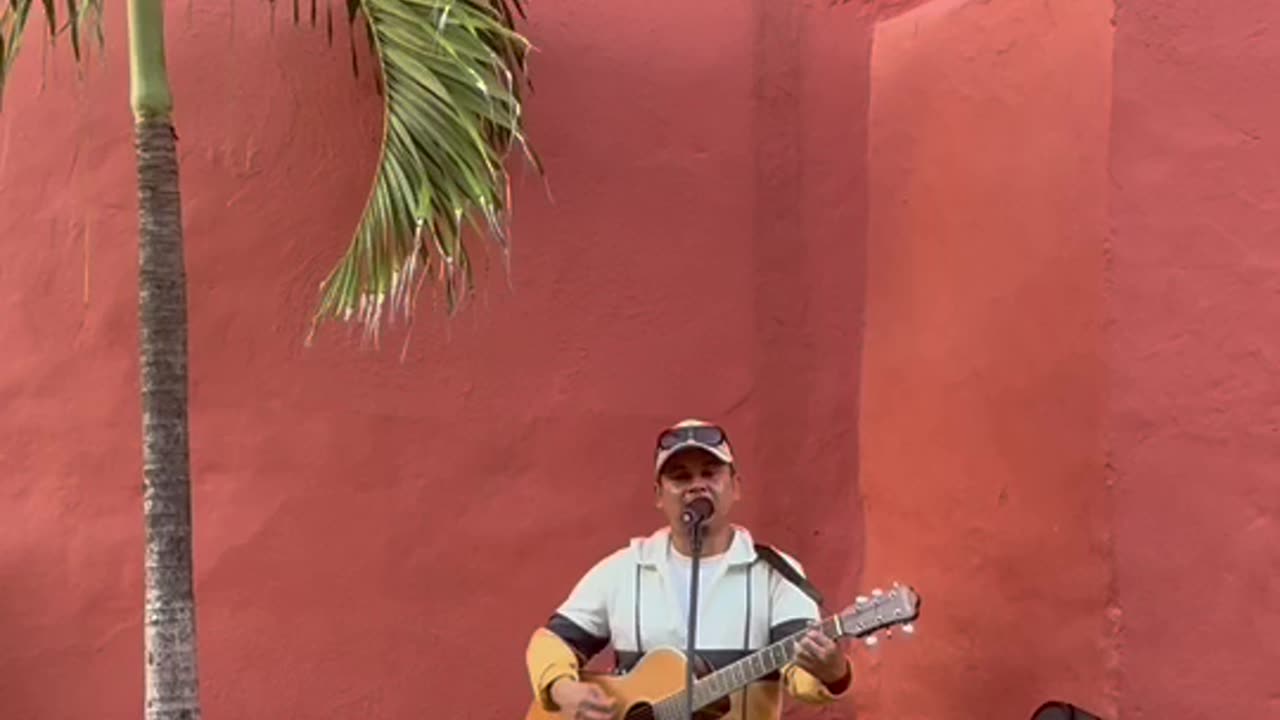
x: 640, y: 711
x: 714, y: 711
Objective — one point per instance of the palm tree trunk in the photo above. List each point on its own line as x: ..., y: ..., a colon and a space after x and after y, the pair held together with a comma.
x: 172, y: 688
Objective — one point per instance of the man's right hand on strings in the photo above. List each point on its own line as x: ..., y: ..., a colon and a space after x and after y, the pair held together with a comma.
x: 582, y: 701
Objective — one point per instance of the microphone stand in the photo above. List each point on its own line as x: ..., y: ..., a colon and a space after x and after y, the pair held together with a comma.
x: 695, y: 536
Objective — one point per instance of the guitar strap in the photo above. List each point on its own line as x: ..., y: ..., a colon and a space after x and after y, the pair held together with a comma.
x: 785, y: 568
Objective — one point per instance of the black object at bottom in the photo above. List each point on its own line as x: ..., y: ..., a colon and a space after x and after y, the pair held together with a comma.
x: 1058, y: 710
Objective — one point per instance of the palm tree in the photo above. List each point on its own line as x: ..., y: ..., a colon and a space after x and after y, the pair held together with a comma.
x: 451, y: 74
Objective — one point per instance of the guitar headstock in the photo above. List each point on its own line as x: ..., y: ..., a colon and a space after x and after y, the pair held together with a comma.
x: 899, y: 605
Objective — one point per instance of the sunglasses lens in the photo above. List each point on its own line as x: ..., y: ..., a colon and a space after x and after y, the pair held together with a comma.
x: 704, y: 435
x: 708, y: 435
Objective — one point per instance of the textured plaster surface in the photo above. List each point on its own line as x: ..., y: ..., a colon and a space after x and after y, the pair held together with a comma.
x: 1195, y: 358
x: 983, y: 364
x: 1068, y: 403
x: 377, y: 539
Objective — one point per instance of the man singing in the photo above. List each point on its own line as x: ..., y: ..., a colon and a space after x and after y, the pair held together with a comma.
x: 637, y: 598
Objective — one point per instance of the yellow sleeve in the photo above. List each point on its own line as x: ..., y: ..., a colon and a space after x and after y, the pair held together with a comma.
x: 803, y: 686
x: 548, y: 659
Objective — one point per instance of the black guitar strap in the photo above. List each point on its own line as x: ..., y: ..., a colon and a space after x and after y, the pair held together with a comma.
x: 776, y: 561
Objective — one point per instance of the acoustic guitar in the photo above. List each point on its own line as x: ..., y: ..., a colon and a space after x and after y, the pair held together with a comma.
x: 655, y: 688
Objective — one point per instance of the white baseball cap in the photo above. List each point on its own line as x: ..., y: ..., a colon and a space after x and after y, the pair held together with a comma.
x: 692, y: 433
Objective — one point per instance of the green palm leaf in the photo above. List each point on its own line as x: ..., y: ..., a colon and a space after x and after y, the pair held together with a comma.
x: 14, y: 15
x: 451, y: 75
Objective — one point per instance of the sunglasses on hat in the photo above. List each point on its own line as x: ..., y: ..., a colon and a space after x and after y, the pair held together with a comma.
x: 701, y: 434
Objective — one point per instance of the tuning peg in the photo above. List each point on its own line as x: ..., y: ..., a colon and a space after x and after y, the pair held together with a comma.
x: 872, y: 640
x: 877, y: 592
x: 909, y: 629
x: 861, y: 600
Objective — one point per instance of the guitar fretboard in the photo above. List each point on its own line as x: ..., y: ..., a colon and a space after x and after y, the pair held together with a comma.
x: 741, y: 673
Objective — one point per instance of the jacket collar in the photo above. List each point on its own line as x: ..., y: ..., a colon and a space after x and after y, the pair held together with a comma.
x: 652, y: 550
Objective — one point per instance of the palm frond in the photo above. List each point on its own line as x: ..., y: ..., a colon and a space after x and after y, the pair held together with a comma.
x: 451, y: 78
x: 15, y: 14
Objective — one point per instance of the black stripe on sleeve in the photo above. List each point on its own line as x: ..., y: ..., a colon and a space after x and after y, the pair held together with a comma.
x: 583, y: 643
x: 786, y: 629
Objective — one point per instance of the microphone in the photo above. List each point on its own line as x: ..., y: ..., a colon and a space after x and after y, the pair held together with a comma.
x: 697, y: 511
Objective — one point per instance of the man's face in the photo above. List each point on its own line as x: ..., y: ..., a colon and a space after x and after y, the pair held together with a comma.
x: 692, y: 473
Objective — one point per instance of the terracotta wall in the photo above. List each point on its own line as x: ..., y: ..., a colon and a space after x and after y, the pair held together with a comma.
x: 1194, y: 407
x: 1069, y: 412
x: 994, y: 276
x: 376, y: 539
x: 984, y: 364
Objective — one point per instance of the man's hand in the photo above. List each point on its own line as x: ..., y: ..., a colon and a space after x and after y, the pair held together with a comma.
x: 821, y: 657
x: 582, y: 701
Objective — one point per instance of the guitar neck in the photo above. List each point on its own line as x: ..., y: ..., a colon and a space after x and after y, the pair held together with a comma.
x: 739, y: 674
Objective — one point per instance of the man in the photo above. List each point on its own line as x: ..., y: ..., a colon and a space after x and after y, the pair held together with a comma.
x: 637, y: 598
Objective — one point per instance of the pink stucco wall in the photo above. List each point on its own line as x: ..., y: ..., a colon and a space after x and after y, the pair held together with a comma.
x: 1072, y: 296
x: 1194, y: 407
x: 359, y: 519
x: 985, y: 293
x: 984, y: 365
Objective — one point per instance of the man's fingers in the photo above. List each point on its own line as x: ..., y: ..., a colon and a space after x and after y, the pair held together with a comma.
x: 595, y: 694
x: 818, y: 645
x: 811, y: 645
x: 814, y: 651
x: 592, y: 711
x: 596, y: 705
x: 806, y: 653
x: 820, y: 640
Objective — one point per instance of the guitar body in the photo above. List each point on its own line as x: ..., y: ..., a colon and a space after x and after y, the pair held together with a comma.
x: 659, y: 674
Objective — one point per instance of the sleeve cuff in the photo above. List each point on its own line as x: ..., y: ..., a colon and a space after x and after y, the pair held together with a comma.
x: 549, y: 659
x: 809, y: 689
x: 547, y: 680
x: 839, y: 687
